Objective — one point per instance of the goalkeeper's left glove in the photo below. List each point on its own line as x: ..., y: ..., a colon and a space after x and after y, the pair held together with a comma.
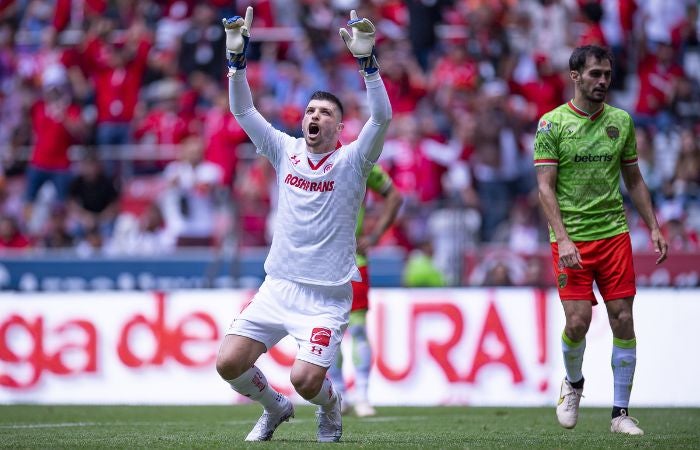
x: 361, y: 43
x: 237, y: 38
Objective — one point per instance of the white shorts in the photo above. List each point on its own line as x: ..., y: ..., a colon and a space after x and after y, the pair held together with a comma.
x: 316, y: 316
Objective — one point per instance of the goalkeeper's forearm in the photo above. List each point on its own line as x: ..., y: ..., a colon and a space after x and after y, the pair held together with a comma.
x: 372, y: 134
x: 241, y: 105
x: 240, y: 98
x: 377, y: 99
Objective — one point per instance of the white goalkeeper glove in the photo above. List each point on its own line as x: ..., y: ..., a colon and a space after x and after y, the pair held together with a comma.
x: 361, y: 43
x: 237, y: 38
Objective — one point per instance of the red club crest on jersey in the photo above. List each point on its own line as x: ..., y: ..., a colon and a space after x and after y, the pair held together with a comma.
x: 295, y: 159
x: 612, y: 132
x: 321, y: 336
x: 327, y: 167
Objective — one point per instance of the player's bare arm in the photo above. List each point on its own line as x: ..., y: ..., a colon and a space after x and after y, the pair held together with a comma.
x: 392, y: 203
x: 569, y: 255
x: 639, y: 193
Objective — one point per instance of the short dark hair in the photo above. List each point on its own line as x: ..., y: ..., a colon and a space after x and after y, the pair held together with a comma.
x: 578, y: 58
x: 323, y: 95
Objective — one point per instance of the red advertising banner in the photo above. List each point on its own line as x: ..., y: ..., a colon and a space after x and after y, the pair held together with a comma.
x: 483, y: 347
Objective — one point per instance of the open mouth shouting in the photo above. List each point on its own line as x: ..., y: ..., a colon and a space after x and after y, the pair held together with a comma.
x: 313, y: 130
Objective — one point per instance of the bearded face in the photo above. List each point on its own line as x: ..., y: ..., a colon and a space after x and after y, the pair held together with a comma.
x: 321, y: 125
x: 594, y: 79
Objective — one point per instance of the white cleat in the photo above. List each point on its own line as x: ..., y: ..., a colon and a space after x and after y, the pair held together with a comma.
x: 567, y: 408
x: 269, y: 421
x: 364, y: 409
x: 330, y: 421
x: 626, y: 425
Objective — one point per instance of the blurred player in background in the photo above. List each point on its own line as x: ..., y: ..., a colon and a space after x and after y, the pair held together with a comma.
x: 380, y: 183
x: 580, y: 149
x: 307, y: 292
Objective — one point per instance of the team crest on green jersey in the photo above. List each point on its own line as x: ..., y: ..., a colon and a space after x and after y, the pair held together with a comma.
x: 544, y: 126
x: 613, y: 132
x: 562, y: 279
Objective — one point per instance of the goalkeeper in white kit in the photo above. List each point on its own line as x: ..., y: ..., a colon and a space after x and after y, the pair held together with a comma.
x: 307, y: 290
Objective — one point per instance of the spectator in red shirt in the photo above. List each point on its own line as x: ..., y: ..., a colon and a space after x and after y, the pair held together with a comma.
x: 10, y: 235
x: 116, y: 69
x: 165, y: 124
x: 592, y: 14
x: 546, y: 91
x: 222, y: 135
x: 57, y: 124
x: 455, y: 73
x: 410, y: 162
x: 404, y: 80
x: 255, y: 202
x: 658, y: 76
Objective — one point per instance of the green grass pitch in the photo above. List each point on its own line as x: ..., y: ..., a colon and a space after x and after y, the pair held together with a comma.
x: 204, y: 427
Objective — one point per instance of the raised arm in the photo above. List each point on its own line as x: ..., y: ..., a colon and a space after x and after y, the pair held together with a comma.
x: 374, y: 130
x: 239, y: 95
x: 260, y: 131
x: 361, y: 45
x: 241, y: 105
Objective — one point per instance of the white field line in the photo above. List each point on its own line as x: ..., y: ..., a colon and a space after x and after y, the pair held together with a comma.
x: 108, y: 424
x: 48, y: 425
x: 234, y: 422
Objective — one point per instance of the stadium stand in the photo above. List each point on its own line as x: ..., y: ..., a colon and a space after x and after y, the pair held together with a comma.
x: 467, y: 80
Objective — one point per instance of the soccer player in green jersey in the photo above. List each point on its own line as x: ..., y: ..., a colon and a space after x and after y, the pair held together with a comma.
x: 380, y: 183
x: 580, y: 149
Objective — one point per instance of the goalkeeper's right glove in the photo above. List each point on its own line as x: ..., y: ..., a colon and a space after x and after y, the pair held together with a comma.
x: 237, y: 38
x: 361, y: 43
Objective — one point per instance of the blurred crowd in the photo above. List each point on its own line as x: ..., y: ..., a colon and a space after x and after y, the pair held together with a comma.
x: 116, y: 137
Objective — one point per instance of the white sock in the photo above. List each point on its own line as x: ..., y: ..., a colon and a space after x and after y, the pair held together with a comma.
x: 326, y: 396
x: 624, y: 361
x: 253, y: 384
x: 573, y: 357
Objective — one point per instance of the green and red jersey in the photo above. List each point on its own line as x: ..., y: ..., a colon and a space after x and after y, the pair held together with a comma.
x: 378, y: 181
x: 589, y: 151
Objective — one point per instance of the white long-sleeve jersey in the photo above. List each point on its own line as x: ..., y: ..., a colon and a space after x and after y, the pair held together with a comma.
x: 314, y: 233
